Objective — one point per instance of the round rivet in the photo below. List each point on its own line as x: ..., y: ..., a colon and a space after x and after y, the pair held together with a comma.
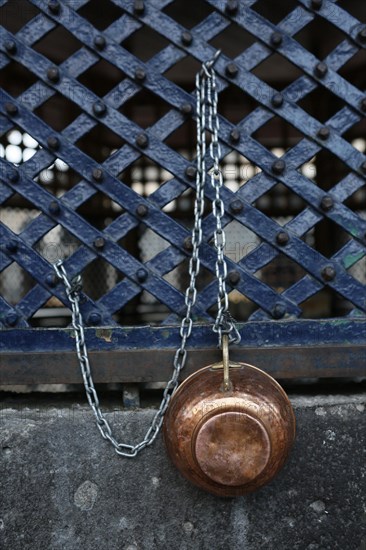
x: 11, y: 318
x: 362, y: 35
x: 53, y: 142
x: 236, y: 206
x: 316, y: 4
x: 276, y: 39
x: 54, y: 6
x: 282, y: 238
x: 142, y: 141
x: 11, y: 108
x: 278, y: 167
x: 278, y: 311
x: 11, y: 246
x: 54, y: 207
x: 94, y: 318
x: 363, y: 104
x: 320, y: 69
x: 323, y: 133
x: 326, y: 203
x: 231, y: 7
x: 235, y: 135
x: 233, y: 277
x: 363, y: 167
x: 328, y: 273
x: 99, y: 243
x: 13, y: 175
x: 140, y: 74
x: 97, y: 174
x: 186, y: 38
x: 277, y: 100
x: 186, y: 109
x: 99, y: 42
x: 99, y: 109
x: 53, y: 74
x: 141, y: 275
x: 10, y: 46
x: 231, y: 70
x: 138, y: 7
x: 142, y: 210
x: 52, y: 279
x: 187, y: 243
x: 191, y: 172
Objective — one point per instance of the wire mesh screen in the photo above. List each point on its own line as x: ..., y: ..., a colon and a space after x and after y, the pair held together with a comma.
x: 98, y: 169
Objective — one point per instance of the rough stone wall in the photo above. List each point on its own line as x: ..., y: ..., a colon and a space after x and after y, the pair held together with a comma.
x: 63, y: 487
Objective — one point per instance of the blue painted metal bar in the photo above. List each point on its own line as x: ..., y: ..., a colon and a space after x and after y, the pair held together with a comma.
x: 116, y: 54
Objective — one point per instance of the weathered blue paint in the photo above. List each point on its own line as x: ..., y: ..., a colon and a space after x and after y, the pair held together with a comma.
x: 290, y: 332
x: 255, y: 334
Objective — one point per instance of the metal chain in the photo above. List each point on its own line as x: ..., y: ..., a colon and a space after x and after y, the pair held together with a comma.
x: 206, y: 99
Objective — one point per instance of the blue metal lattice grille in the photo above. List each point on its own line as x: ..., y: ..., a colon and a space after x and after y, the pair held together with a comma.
x: 106, y: 178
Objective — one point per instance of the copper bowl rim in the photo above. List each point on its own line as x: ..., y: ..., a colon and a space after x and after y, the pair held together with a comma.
x: 232, y: 364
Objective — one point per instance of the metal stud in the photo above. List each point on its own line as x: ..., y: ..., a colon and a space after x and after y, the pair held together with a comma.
x: 94, y: 318
x: 13, y: 175
x: 141, y: 275
x: 10, y: 46
x: 99, y: 243
x: 140, y: 74
x: 236, y: 206
x: 142, y: 141
x: 186, y: 38
x: 278, y: 311
x: 52, y: 279
x: 11, y: 318
x: 233, y: 277
x: 231, y: 70
x: 328, y: 273
x: 138, y: 7
x: 362, y: 35
x: 186, y: 109
x: 231, y: 7
x: 277, y: 100
x: 54, y: 6
x: 187, y: 243
x: 278, y: 167
x: 11, y: 108
x: 320, y: 69
x: 326, y: 203
x: 53, y: 142
x: 316, y: 4
x: 282, y: 238
x: 53, y: 74
x: 191, y: 172
x: 11, y: 246
x: 99, y: 42
x: 235, y: 135
x: 142, y: 210
x: 323, y: 133
x: 54, y: 207
x: 276, y: 39
x: 97, y: 174
x: 99, y: 109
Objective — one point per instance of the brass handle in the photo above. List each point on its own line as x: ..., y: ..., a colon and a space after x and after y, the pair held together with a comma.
x: 225, y: 361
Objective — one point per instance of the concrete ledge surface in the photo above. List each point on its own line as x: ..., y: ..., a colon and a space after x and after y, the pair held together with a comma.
x: 63, y: 486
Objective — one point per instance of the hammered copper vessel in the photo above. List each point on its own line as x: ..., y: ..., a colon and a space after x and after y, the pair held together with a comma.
x: 229, y: 442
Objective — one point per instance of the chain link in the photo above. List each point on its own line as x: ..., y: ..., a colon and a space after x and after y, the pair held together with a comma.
x: 206, y: 99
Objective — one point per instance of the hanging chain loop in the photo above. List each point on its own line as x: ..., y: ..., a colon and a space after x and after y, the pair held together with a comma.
x: 206, y: 99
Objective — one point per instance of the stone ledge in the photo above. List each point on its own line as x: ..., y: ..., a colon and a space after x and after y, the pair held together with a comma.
x: 64, y: 487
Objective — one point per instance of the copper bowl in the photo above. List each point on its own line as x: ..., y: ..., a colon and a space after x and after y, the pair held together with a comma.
x: 229, y: 442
